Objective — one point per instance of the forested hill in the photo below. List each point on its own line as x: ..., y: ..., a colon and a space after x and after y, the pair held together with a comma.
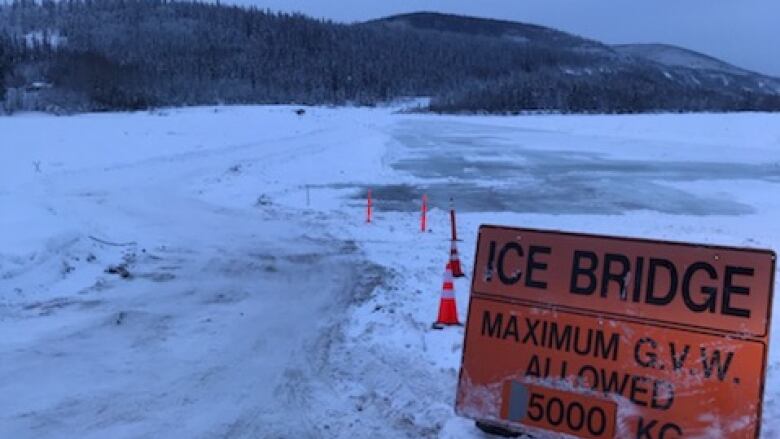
x: 502, y: 29
x: 80, y: 55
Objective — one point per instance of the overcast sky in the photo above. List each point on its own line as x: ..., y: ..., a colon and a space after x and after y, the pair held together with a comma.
x: 743, y: 32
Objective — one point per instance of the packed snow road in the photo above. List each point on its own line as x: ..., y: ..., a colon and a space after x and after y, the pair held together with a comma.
x: 208, y: 272
x: 151, y: 288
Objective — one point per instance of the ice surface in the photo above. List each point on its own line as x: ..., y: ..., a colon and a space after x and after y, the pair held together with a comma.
x: 258, y: 303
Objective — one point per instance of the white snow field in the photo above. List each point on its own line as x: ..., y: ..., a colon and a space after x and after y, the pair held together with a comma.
x: 248, y: 297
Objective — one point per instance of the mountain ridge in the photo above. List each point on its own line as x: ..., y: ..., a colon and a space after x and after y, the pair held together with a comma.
x: 458, y: 23
x: 674, y: 55
x: 119, y: 55
x: 483, y: 26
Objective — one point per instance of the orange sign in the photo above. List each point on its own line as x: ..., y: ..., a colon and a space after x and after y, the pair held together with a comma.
x: 603, y: 337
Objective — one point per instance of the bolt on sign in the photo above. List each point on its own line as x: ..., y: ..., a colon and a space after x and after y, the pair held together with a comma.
x: 606, y: 337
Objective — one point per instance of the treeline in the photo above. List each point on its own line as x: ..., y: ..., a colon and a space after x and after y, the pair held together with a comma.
x: 5, y: 63
x: 127, y: 54
x: 87, y: 55
x: 629, y: 90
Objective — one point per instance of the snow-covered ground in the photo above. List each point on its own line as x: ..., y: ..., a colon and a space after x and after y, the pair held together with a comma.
x: 248, y: 297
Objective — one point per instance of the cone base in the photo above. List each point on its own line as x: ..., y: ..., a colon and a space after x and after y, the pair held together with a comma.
x: 457, y: 271
x: 440, y: 325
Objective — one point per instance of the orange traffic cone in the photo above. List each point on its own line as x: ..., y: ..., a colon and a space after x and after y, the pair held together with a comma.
x: 457, y: 271
x: 448, y: 310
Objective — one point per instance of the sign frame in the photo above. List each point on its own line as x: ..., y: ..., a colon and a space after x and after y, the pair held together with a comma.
x: 762, y: 337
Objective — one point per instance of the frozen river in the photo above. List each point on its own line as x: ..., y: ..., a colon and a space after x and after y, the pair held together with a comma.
x: 258, y: 303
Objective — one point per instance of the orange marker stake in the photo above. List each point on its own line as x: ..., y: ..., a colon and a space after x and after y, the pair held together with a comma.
x: 423, y: 218
x: 368, y: 207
